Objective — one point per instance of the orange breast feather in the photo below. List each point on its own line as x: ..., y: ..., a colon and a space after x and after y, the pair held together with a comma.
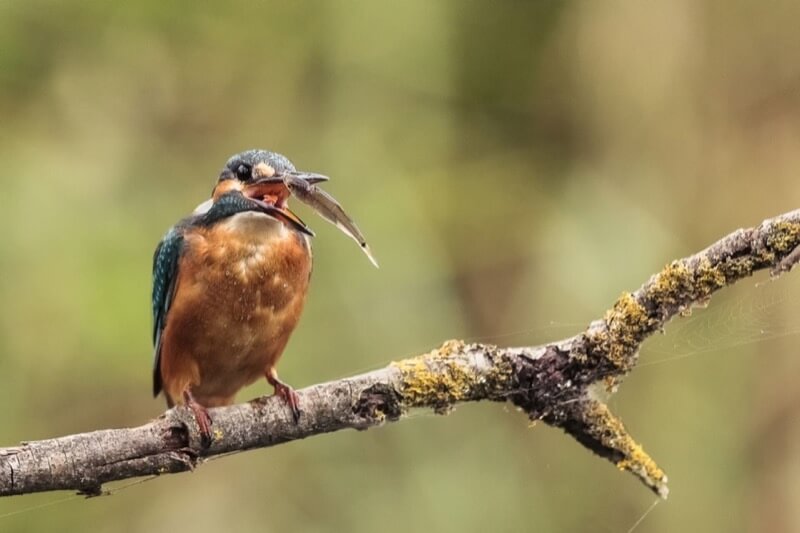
x: 241, y: 287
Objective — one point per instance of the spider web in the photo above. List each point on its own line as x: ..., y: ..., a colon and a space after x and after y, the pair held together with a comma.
x: 746, y: 314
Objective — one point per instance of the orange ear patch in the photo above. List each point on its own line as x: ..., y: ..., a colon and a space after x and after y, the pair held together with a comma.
x: 263, y: 170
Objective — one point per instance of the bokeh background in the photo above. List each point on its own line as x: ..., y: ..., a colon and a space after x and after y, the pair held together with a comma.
x: 515, y: 166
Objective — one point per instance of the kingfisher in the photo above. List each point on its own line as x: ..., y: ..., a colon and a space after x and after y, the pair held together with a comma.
x: 230, y: 282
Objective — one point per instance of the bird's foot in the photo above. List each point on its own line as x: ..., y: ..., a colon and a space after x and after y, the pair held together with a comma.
x: 201, y: 416
x: 291, y: 398
x: 287, y: 393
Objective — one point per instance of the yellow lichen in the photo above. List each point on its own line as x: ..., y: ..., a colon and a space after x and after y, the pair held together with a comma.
x: 448, y: 348
x: 431, y: 380
x: 678, y: 285
x: 440, y: 378
x: 627, y: 323
x: 610, y: 384
x: 672, y: 285
x: 611, y: 433
x: 784, y: 237
x: 708, y: 278
x: 742, y: 267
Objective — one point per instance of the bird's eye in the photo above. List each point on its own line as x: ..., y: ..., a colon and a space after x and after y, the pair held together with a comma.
x: 243, y: 172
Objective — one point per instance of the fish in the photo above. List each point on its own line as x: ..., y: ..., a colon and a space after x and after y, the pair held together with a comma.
x: 303, y: 188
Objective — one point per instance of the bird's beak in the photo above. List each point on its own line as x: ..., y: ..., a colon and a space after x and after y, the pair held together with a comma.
x: 310, y: 177
x: 272, y: 191
x: 295, y: 220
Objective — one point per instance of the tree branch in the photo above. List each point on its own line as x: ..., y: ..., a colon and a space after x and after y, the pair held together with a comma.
x: 560, y: 383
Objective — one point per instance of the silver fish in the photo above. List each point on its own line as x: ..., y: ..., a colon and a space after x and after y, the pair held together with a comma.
x: 302, y: 187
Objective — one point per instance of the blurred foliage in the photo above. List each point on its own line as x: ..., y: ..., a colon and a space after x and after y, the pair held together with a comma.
x: 515, y: 165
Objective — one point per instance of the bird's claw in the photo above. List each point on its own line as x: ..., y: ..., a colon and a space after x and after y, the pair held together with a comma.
x: 288, y: 395
x: 202, y: 418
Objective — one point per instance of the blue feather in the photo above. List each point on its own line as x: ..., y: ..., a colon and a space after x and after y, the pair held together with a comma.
x: 165, y: 272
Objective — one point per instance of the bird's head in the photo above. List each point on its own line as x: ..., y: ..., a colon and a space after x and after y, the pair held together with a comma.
x: 268, y: 179
x: 259, y: 175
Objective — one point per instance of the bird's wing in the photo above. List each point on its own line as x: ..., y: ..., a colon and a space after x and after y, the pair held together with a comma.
x: 165, y: 272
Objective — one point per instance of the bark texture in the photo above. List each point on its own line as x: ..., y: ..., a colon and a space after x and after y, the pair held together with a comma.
x: 560, y: 383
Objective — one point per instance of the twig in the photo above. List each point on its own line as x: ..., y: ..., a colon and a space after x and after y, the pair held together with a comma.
x: 559, y: 383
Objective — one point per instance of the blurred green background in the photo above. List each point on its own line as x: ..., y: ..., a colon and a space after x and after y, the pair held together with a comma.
x: 514, y: 165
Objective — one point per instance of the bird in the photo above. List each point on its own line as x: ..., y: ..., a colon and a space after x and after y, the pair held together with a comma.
x: 230, y: 283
